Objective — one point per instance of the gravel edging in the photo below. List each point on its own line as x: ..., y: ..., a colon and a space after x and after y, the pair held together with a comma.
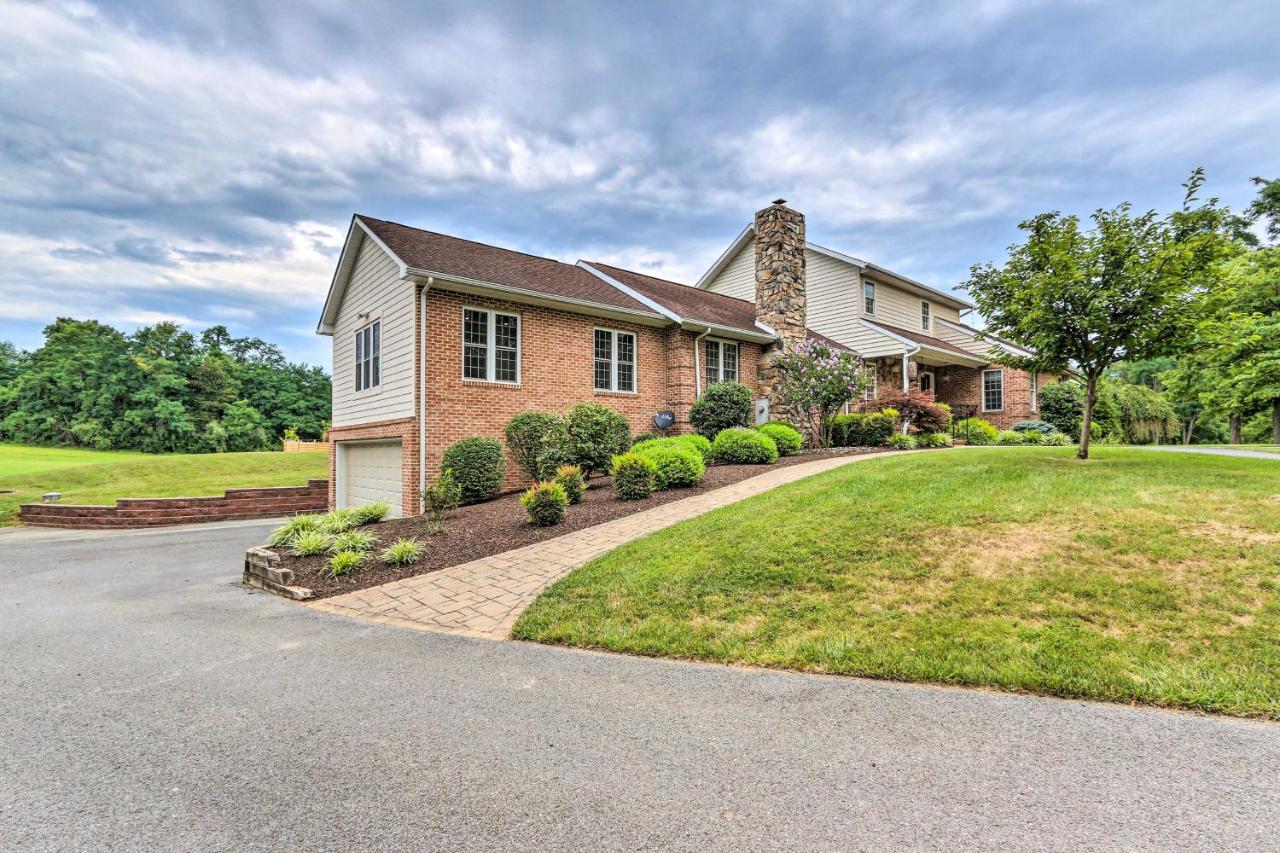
x: 484, y: 529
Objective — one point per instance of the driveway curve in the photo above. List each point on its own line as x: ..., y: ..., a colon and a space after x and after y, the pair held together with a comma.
x: 149, y: 702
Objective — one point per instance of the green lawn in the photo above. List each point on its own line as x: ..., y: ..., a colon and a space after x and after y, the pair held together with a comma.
x: 97, y: 477
x: 1134, y: 576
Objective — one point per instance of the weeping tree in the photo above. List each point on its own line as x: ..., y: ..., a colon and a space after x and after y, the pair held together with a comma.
x: 1121, y: 290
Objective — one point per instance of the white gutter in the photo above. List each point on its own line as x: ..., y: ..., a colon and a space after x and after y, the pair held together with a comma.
x: 697, y: 367
x: 422, y: 396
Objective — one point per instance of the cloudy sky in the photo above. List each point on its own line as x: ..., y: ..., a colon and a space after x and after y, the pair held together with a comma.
x: 201, y: 161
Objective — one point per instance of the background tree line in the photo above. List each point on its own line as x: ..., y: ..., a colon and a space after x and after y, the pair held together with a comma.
x: 160, y: 389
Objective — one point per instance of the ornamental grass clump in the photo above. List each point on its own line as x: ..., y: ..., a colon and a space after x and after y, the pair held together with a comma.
x: 311, y: 543
x: 933, y: 439
x: 739, y: 446
x: 293, y: 529
x: 353, y: 540
x: 784, y: 435
x: 339, y: 521
x: 402, y: 552
x: 898, y: 441
x: 344, y: 563
x: 545, y: 504
x: 634, y: 476
x: 371, y: 513
x: 1009, y: 437
x: 571, y: 480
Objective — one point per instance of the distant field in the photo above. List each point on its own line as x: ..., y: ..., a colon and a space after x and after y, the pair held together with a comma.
x: 100, y: 477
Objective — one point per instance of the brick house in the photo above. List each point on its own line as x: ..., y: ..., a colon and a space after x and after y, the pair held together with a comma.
x: 436, y: 338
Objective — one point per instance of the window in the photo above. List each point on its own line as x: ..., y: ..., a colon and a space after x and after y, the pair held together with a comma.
x: 993, y: 390
x: 869, y: 297
x: 1035, y: 392
x: 490, y: 345
x: 873, y: 388
x: 369, y: 356
x: 924, y: 317
x: 615, y: 360
x: 722, y: 362
x: 925, y: 380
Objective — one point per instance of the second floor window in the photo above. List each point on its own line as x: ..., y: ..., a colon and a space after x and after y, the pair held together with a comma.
x: 722, y: 362
x: 869, y: 297
x: 925, y: 318
x: 490, y: 345
x: 615, y: 360
x: 369, y: 356
x: 993, y: 390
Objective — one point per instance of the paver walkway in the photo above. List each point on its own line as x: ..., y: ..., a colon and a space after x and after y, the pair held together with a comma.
x: 1217, y: 451
x: 484, y: 597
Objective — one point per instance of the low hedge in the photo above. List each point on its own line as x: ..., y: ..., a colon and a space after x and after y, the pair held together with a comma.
x: 677, y: 466
x: 787, y: 437
x: 738, y: 446
x: 478, y: 466
x: 865, y: 429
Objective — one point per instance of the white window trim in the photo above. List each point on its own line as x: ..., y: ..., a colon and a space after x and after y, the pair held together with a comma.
x: 875, y: 295
x: 377, y: 387
x: 613, y: 361
x: 982, y: 389
x: 1035, y: 391
x: 873, y: 389
x: 720, y: 362
x: 926, y: 315
x: 490, y: 349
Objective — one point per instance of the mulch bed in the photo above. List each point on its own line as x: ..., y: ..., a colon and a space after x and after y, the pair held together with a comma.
x: 479, y: 530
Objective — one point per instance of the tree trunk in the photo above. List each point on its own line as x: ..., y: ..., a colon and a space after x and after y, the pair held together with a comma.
x: 1188, y: 429
x: 1090, y: 397
x: 1234, y: 425
x: 1275, y: 421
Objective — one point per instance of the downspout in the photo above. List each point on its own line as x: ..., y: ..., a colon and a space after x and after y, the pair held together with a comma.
x: 422, y: 392
x: 906, y: 380
x: 697, y: 367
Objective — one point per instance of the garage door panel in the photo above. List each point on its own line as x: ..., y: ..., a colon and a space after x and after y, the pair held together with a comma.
x: 371, y: 472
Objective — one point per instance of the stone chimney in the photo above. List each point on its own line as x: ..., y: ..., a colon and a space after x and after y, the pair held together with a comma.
x: 780, y: 295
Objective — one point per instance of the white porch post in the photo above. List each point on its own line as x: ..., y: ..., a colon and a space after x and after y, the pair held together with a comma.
x: 906, y: 373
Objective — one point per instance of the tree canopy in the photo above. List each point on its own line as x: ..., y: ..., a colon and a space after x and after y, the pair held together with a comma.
x: 160, y: 389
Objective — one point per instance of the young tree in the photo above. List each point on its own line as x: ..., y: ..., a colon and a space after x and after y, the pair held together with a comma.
x: 816, y: 382
x: 1122, y: 290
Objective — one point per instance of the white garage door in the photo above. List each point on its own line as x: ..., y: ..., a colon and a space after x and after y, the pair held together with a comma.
x: 369, y: 471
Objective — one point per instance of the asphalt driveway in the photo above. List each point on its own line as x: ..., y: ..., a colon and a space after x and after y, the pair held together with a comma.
x: 148, y: 702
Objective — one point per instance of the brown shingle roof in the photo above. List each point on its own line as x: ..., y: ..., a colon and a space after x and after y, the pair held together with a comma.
x: 936, y: 343
x: 689, y: 302
x: 447, y: 255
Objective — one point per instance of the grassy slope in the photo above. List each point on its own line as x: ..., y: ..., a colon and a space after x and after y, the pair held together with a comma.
x: 1134, y: 576
x: 95, y: 477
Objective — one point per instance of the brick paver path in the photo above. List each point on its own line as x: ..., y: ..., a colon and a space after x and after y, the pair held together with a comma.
x: 482, y: 598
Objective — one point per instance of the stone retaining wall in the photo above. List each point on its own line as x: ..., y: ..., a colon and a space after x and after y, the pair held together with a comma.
x: 262, y: 569
x: 155, y: 512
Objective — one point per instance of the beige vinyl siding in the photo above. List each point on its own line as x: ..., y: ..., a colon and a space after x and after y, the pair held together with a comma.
x: 901, y: 308
x: 961, y: 339
x: 738, y: 279
x: 375, y: 288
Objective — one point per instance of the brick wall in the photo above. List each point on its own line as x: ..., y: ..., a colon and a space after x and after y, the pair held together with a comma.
x: 153, y: 512
x: 405, y: 429
x: 963, y: 385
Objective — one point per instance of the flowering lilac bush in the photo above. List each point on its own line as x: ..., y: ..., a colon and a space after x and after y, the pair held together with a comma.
x: 816, y: 382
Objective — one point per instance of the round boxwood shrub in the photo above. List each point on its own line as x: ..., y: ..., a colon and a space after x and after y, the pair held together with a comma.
x: 697, y: 442
x: 898, y: 441
x: 737, y: 446
x: 691, y: 441
x: 477, y: 465
x: 545, y: 504
x: 677, y: 466
x: 634, y: 476
x: 722, y: 406
x: 530, y: 434
x: 786, y: 436
x: 571, y: 480
x: 976, y: 431
x: 596, y: 434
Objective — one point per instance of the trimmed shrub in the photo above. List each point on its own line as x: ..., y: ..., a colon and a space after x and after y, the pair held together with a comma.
x: 311, y: 543
x: 402, y: 552
x: 677, y: 466
x: 691, y: 441
x: 933, y: 439
x: 1008, y: 436
x: 353, y: 540
x: 976, y: 431
x: 439, y: 499
x: 545, y: 504
x: 293, y: 529
x: 647, y: 436
x: 571, y: 480
x: 697, y: 442
x: 866, y: 429
x: 551, y: 459
x: 370, y: 513
x: 739, y: 446
x: 478, y: 466
x: 344, y: 563
x: 596, y: 434
x: 1042, y: 427
x: 722, y: 406
x: 339, y: 521
x: 634, y: 476
x: 784, y: 435
x: 529, y: 434
x: 898, y: 441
